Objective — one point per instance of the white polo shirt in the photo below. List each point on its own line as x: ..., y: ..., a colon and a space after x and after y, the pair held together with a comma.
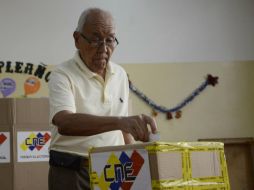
x: 74, y: 87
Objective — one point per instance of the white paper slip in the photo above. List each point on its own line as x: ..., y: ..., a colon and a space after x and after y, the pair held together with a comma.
x: 154, y: 137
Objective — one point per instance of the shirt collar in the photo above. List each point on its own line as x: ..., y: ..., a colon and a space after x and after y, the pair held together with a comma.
x: 85, y: 69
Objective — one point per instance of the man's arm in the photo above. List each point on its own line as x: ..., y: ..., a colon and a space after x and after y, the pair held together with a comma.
x: 79, y: 124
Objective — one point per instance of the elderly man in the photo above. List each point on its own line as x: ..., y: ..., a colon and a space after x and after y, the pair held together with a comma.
x: 89, y: 103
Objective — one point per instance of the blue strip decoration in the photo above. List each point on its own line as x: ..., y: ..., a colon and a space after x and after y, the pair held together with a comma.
x: 210, y: 80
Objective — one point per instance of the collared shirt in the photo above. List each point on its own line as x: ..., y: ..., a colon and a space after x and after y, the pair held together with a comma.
x: 74, y: 87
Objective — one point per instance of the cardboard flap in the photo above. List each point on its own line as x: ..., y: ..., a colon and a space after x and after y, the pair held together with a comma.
x: 32, y: 111
x: 6, y: 111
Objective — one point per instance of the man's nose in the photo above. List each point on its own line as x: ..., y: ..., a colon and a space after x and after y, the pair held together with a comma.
x: 103, y: 46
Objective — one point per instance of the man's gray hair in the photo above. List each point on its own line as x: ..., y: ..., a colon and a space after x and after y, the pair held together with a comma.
x: 84, y: 15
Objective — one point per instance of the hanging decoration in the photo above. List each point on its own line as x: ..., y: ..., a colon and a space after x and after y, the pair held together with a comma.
x: 210, y: 80
x: 154, y: 113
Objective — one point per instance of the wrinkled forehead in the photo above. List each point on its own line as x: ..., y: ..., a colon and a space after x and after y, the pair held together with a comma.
x: 100, y: 20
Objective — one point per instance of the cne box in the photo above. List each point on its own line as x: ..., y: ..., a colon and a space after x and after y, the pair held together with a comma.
x: 159, y: 165
x: 27, y: 120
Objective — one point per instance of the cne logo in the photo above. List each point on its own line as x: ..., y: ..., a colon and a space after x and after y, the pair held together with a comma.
x: 2, y: 138
x: 34, y: 141
x: 120, y: 173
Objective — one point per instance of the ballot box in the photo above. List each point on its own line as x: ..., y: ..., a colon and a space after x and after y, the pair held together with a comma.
x: 159, y: 165
x: 24, y: 141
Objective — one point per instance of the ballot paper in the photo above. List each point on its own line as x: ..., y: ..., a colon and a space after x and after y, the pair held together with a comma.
x: 154, y: 137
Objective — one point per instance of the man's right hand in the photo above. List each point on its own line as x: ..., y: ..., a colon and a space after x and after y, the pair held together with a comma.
x: 138, y: 126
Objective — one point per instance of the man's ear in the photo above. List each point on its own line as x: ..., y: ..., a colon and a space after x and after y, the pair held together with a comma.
x: 76, y: 37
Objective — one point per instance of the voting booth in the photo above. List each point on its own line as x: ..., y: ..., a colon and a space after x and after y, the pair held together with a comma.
x: 159, y: 165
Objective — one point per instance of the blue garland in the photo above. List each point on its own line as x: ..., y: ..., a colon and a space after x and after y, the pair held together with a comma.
x: 210, y: 80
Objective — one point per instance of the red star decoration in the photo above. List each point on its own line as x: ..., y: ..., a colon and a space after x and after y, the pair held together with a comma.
x: 211, y: 80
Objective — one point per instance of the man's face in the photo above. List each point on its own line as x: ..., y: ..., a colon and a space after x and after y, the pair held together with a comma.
x: 99, y: 26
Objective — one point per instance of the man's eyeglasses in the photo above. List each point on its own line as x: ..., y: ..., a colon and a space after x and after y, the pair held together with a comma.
x: 111, y: 42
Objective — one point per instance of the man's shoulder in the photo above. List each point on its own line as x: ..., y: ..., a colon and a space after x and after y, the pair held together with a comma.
x: 66, y: 66
x: 65, y: 69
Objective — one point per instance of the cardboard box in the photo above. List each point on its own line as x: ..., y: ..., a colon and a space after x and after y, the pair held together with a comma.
x: 24, y: 137
x: 160, y: 165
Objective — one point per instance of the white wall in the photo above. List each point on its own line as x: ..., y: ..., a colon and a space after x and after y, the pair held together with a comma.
x: 149, y: 31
